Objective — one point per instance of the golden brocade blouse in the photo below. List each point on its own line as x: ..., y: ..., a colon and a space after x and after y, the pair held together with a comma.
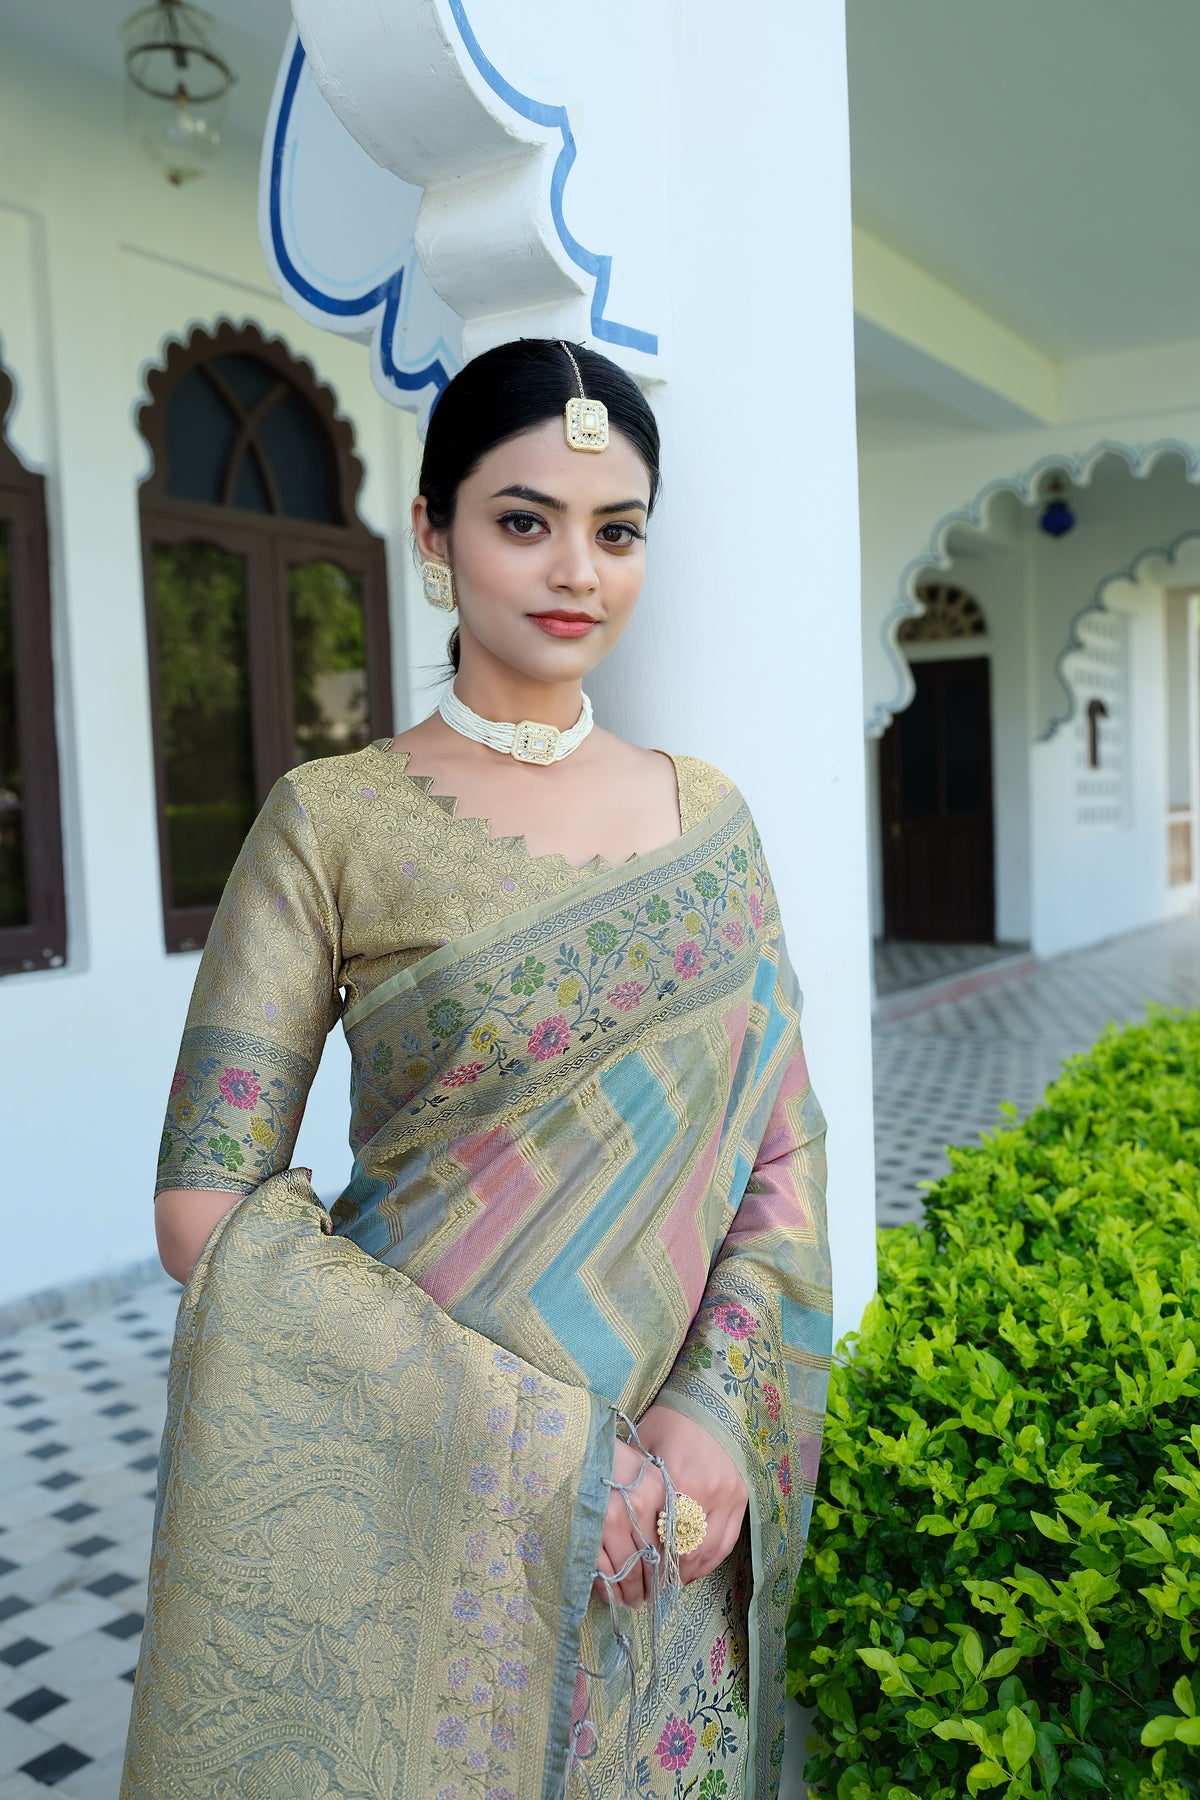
x: 352, y: 871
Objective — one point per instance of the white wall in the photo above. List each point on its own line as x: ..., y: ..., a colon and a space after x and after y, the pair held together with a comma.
x: 1055, y: 888
x: 1095, y: 881
x: 101, y: 263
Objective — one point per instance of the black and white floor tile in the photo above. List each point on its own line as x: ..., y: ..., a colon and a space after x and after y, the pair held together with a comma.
x: 82, y: 1399
x: 942, y: 1075
x: 81, y: 1411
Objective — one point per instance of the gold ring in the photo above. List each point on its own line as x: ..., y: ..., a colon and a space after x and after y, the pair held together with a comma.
x: 691, y: 1525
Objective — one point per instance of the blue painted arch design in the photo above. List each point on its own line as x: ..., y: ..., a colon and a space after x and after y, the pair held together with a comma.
x: 385, y: 294
x: 556, y: 118
x: 1078, y: 469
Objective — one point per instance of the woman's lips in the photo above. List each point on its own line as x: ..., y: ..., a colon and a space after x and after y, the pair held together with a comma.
x: 562, y: 628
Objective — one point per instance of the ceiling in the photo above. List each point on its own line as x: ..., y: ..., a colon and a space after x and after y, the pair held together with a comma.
x: 1035, y: 158
x: 1038, y: 158
x: 251, y: 38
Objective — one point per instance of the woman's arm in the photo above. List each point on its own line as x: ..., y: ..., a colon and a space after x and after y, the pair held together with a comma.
x: 265, y: 998
x: 184, y: 1220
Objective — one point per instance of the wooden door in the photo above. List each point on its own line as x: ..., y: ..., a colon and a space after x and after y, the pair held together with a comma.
x: 936, y: 790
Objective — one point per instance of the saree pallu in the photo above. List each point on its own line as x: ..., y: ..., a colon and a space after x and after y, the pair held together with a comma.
x: 589, y: 1174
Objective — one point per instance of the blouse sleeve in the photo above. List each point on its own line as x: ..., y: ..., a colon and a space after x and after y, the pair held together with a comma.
x: 265, y: 999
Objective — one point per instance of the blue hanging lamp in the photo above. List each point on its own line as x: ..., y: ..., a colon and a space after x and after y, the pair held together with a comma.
x: 1057, y: 518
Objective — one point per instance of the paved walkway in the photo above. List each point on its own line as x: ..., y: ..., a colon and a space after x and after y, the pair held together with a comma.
x: 81, y: 1400
x: 941, y: 1075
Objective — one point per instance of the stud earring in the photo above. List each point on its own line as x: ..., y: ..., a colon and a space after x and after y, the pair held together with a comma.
x: 437, y: 578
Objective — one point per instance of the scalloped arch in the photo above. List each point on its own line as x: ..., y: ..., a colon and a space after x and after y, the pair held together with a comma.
x: 1078, y: 469
x: 177, y: 353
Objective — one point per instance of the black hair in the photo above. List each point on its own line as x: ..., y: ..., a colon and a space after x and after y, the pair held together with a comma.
x: 511, y: 389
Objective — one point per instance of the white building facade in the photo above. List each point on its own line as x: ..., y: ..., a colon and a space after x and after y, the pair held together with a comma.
x: 115, y: 288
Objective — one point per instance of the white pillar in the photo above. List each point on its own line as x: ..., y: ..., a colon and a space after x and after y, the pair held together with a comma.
x: 713, y: 165
x: 746, y: 648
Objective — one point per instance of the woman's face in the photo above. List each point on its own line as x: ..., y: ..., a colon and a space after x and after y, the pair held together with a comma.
x: 542, y: 529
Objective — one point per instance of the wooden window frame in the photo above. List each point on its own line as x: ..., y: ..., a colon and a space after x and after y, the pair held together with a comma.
x: 41, y: 943
x: 270, y: 543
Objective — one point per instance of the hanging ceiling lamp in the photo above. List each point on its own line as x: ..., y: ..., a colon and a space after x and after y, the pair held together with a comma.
x: 176, y: 87
x: 1057, y: 518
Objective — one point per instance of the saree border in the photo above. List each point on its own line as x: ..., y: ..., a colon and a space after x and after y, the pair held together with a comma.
x: 532, y: 924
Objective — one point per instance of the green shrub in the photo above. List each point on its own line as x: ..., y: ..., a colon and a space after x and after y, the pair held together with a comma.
x: 1002, y: 1591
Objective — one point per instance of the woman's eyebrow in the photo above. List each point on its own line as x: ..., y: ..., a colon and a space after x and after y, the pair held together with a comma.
x: 528, y: 493
x: 559, y: 506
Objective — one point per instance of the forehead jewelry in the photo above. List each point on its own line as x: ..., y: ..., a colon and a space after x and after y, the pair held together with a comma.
x: 584, y: 421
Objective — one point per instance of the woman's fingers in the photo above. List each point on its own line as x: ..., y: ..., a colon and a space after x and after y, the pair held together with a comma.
x: 722, y: 1534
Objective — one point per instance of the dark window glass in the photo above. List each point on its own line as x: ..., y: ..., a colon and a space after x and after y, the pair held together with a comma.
x: 918, y: 756
x: 965, y: 764
x: 329, y: 660
x: 249, y: 379
x: 201, y: 434
x: 301, y: 461
x: 267, y: 596
x: 239, y: 434
x: 14, y: 892
x: 250, y: 491
x: 200, y: 607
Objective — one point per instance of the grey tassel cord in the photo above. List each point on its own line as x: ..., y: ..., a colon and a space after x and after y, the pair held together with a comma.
x: 664, y: 1576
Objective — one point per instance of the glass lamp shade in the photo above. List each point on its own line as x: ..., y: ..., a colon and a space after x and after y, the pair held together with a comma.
x: 176, y: 87
x: 184, y: 138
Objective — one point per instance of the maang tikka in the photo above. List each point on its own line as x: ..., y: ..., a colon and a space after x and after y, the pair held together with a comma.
x: 585, y: 421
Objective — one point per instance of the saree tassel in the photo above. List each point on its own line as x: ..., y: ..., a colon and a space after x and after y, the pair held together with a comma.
x: 663, y: 1562
x: 577, y: 1759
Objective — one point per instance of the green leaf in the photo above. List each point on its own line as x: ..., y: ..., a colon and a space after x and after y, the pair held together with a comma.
x: 1081, y: 1710
x: 1183, y: 1696
x: 1018, y: 1740
x: 985, y: 1775
x: 968, y: 1657
x: 1051, y: 1528
x: 1160, y: 1730
x: 1086, y: 1772
x: 1002, y: 1663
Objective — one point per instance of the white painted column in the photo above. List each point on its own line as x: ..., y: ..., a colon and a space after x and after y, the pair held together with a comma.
x: 746, y: 648
x: 715, y: 171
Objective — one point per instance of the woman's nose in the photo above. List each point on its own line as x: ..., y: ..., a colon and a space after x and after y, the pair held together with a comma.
x: 575, y: 566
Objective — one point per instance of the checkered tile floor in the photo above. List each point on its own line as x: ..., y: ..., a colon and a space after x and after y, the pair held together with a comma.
x: 81, y: 1399
x: 81, y: 1411
x: 941, y: 1075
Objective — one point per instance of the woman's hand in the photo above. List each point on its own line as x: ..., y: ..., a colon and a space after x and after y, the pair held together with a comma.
x: 619, y: 1541
x: 698, y: 1465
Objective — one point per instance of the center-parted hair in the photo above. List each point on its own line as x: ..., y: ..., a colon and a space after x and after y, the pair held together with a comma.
x: 514, y: 388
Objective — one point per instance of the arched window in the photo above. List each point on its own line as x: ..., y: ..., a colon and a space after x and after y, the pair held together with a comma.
x: 950, y: 612
x: 266, y: 599
x: 33, y: 927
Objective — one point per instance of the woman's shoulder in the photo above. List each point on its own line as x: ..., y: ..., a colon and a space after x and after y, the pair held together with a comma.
x: 336, y: 777
x: 702, y: 786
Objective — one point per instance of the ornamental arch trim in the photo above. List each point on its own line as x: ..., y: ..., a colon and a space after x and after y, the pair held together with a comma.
x: 1140, y: 459
x: 178, y: 356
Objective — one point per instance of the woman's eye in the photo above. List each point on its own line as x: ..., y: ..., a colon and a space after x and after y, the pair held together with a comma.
x: 619, y: 535
x: 521, y: 524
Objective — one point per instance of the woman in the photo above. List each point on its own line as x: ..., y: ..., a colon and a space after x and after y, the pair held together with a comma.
x: 513, y: 1503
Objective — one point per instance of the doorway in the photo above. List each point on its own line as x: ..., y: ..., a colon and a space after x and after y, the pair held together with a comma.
x: 936, y: 794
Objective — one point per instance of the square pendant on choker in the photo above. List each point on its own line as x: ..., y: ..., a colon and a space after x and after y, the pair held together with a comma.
x: 534, y: 743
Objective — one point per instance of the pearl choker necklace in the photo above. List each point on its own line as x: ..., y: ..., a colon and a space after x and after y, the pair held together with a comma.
x: 527, y: 740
